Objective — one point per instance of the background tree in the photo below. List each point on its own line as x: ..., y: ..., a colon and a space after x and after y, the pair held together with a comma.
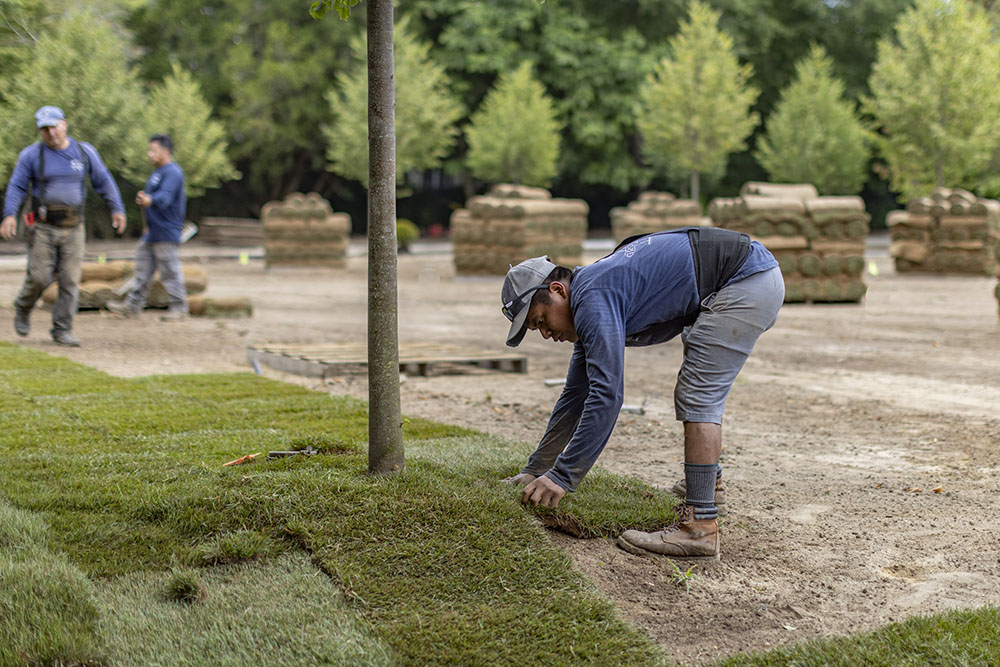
x: 426, y: 111
x: 814, y: 135
x: 590, y: 56
x: 514, y: 135
x: 99, y: 93
x: 936, y: 97
x: 695, y: 109
x: 265, y: 68
x: 176, y: 107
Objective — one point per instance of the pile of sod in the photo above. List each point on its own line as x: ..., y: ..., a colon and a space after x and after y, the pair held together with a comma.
x: 123, y: 539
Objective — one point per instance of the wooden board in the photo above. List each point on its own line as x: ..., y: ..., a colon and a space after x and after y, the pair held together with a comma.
x: 327, y: 360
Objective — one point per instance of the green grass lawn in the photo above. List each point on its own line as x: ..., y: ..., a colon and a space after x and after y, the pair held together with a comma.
x: 113, y: 498
x: 124, y: 541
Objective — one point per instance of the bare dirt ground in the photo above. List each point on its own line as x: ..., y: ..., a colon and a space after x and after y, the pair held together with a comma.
x: 839, y: 431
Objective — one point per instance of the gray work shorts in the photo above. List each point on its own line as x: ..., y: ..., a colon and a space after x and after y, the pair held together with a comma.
x: 718, y: 343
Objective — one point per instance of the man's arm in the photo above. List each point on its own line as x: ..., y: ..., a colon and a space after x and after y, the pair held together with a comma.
x: 17, y: 191
x: 602, y: 331
x: 101, y: 179
x: 601, y: 327
x: 565, y: 416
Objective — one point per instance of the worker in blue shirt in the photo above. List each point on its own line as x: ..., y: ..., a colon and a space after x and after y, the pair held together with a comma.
x: 716, y: 288
x: 53, y: 174
x: 164, y: 204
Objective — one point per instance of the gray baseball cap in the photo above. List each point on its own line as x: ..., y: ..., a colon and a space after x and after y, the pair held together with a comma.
x: 519, y: 286
x: 48, y: 116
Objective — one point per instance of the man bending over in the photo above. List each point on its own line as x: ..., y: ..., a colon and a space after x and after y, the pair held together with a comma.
x: 716, y: 288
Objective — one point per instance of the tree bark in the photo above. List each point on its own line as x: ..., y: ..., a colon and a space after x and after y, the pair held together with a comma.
x: 385, y: 424
x: 695, y: 186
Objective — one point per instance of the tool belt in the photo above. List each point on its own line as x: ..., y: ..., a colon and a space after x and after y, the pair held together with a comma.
x: 59, y: 216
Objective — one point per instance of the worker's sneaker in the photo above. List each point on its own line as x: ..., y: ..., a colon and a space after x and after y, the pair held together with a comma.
x: 121, y: 308
x: 680, y: 490
x: 66, y: 339
x: 22, y: 322
x: 173, y: 316
x: 686, y: 538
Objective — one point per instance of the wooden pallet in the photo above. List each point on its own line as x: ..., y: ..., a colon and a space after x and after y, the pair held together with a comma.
x: 414, y: 358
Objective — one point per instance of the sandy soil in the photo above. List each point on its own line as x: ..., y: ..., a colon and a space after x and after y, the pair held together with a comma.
x: 839, y: 431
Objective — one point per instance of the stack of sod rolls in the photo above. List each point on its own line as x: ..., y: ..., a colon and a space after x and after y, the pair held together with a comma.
x: 303, y: 230
x: 514, y: 223
x: 948, y: 232
x: 102, y: 283
x: 655, y: 212
x: 239, y: 232
x: 819, y: 242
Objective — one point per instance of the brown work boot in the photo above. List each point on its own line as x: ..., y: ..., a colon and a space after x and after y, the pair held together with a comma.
x: 680, y: 490
x: 687, y: 538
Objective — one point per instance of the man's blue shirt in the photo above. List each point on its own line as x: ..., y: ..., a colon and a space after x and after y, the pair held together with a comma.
x: 650, y: 281
x: 165, y: 215
x: 64, y: 178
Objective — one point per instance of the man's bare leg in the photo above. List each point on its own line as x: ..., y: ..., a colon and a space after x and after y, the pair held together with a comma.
x: 702, y: 443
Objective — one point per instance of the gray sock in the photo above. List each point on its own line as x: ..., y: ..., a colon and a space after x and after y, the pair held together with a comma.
x: 701, y: 489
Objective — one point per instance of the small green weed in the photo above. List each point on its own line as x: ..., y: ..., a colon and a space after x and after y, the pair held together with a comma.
x: 681, y: 578
x: 184, y: 586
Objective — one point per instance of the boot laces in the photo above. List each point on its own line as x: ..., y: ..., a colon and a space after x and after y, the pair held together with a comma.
x: 685, y: 515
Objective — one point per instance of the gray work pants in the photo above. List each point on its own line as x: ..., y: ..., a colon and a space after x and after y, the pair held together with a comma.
x: 54, y: 253
x: 718, y: 343
x: 165, y: 258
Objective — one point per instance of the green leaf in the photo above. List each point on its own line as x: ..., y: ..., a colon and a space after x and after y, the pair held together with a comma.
x: 318, y: 9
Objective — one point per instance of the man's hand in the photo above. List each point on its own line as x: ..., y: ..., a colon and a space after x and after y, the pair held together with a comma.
x: 143, y: 200
x: 118, y: 222
x: 8, y: 227
x: 520, y: 479
x: 543, y: 491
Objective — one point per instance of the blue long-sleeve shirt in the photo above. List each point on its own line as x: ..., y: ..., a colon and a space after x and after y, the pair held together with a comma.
x: 648, y: 282
x: 63, y: 178
x: 165, y: 215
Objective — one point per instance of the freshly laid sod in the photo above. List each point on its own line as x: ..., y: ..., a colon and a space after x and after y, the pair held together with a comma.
x: 279, y: 612
x: 117, y: 488
x: 123, y: 540
x: 953, y: 639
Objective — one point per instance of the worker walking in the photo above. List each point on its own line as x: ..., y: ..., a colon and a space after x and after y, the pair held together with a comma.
x: 53, y: 173
x: 164, y: 205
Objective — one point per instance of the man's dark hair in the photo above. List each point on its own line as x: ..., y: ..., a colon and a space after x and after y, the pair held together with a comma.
x: 164, y: 140
x: 559, y: 274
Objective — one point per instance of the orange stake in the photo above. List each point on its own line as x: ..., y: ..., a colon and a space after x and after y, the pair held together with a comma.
x: 243, y: 459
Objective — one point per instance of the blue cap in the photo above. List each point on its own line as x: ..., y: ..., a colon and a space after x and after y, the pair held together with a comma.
x: 48, y: 116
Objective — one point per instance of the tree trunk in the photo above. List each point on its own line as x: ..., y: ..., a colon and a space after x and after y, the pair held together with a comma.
x: 385, y: 424
x: 695, y: 186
